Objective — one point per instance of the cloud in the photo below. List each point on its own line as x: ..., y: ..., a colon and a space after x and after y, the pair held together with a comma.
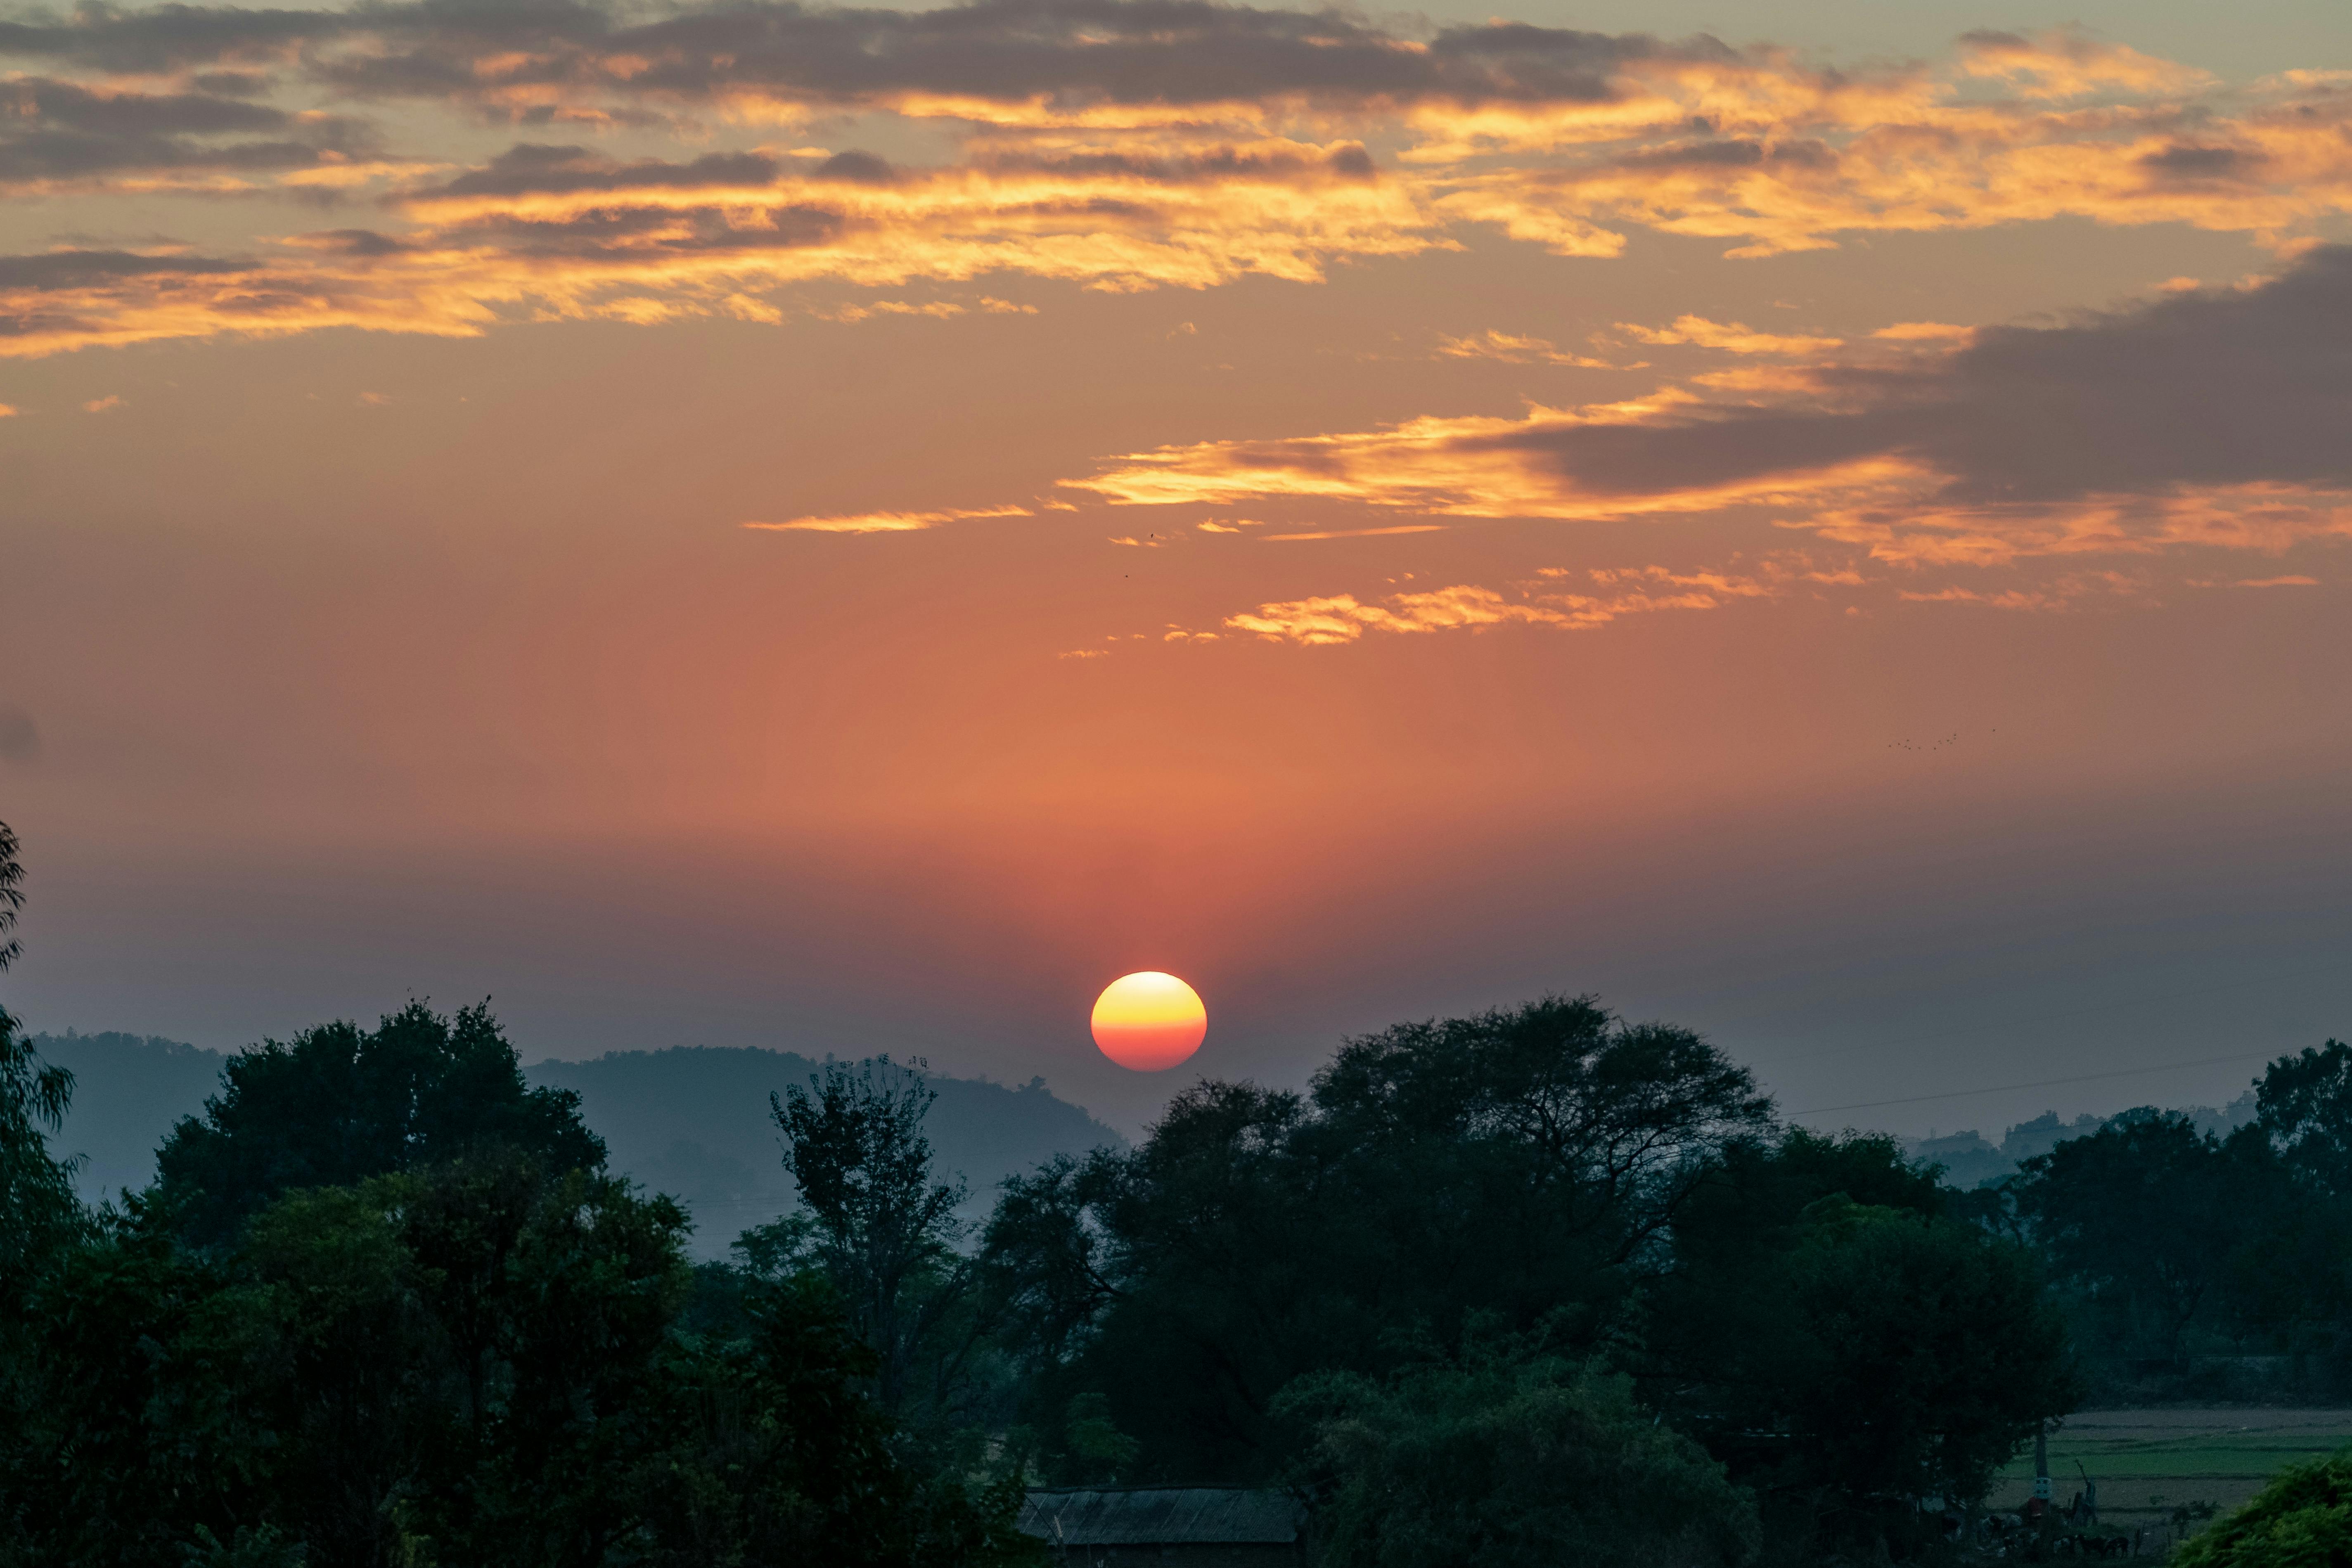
x: 1513, y: 350
x: 886, y: 521
x: 106, y: 405
x: 1108, y: 144
x: 1358, y: 532
x: 7, y: 411
x: 2290, y: 582
x: 1927, y: 332
x: 2211, y: 418
x: 1052, y: 56
x: 20, y: 741
x: 60, y: 136
x: 1344, y: 618
x: 1730, y: 337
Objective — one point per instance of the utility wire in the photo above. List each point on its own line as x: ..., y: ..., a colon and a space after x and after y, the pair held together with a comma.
x: 2039, y: 1083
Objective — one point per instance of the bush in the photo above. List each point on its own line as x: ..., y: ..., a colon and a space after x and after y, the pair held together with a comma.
x: 2302, y: 1520
x: 1506, y: 1464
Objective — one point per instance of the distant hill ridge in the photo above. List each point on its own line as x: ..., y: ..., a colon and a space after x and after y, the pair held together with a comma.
x: 690, y: 1120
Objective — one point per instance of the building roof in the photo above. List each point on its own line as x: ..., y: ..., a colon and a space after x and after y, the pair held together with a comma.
x: 1161, y: 1516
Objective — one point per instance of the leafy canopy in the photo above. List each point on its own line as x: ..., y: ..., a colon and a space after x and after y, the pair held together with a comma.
x: 338, y: 1104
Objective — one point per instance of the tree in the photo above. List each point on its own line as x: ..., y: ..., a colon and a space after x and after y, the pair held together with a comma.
x: 476, y: 1361
x: 2146, y: 1217
x: 878, y: 1225
x: 1518, y: 1168
x: 1505, y: 1462
x: 781, y: 1455
x: 1844, y: 1346
x: 2303, y: 1104
x: 338, y: 1105
x: 41, y: 1219
x: 38, y: 1209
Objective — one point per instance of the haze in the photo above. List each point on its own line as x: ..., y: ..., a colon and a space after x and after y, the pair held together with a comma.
x: 1828, y: 527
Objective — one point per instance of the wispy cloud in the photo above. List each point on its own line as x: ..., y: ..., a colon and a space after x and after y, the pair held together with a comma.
x: 1513, y: 350
x: 1100, y: 143
x: 1344, y: 618
x: 2197, y: 419
x: 886, y: 521
x: 1731, y: 337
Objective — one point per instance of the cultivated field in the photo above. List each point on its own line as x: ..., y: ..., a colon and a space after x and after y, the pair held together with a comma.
x: 2148, y: 1462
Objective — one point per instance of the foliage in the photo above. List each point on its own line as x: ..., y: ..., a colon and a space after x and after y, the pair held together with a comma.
x: 1519, y: 1167
x: 38, y: 1209
x: 40, y: 1219
x: 1500, y: 1462
x: 881, y: 1229
x: 1843, y: 1344
x: 2302, y: 1520
x: 2303, y: 1103
x: 338, y: 1105
x: 2145, y: 1217
x: 782, y: 1457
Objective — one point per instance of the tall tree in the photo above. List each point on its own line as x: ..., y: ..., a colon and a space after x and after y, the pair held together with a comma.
x: 2146, y: 1219
x: 1841, y: 1343
x: 38, y: 1209
x: 2303, y: 1104
x: 339, y: 1104
x: 1517, y: 1167
x: 878, y: 1224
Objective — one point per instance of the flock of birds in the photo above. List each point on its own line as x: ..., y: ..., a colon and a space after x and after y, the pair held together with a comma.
x: 1908, y: 744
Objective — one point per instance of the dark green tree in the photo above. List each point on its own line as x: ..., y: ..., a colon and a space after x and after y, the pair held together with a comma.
x: 2304, y: 1105
x: 38, y: 1209
x: 339, y: 1104
x: 782, y: 1455
x: 1507, y: 1462
x: 2145, y: 1219
x: 1843, y: 1345
x: 1518, y: 1168
x: 881, y: 1229
x: 41, y: 1220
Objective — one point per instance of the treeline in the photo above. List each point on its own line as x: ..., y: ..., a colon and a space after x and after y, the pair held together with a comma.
x: 1535, y: 1286
x: 2193, y: 1265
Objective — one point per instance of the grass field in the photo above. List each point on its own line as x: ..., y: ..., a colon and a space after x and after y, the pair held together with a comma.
x: 2148, y: 1462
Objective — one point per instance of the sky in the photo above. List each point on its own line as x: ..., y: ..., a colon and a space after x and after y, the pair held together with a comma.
x: 849, y: 529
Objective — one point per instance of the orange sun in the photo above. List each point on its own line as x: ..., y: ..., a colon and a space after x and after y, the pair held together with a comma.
x: 1148, y: 1022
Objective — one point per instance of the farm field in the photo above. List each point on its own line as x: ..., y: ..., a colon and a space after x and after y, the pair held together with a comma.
x: 2148, y: 1462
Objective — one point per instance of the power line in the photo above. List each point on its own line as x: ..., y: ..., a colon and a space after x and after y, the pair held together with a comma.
x: 2042, y: 1083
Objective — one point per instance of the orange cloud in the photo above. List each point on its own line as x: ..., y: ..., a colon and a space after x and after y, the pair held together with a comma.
x: 1065, y: 169
x: 1344, y: 618
x: 1730, y: 337
x: 886, y: 521
x: 2194, y: 420
x: 1512, y: 350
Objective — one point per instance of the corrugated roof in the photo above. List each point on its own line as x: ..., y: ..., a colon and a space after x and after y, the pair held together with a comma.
x: 1161, y: 1516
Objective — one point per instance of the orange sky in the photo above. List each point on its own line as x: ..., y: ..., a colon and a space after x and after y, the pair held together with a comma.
x: 851, y: 529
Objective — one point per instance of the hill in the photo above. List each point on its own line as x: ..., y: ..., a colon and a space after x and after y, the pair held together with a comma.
x: 690, y: 1120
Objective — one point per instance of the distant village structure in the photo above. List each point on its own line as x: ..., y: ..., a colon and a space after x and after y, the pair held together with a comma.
x: 1198, y: 1527
x: 1970, y: 1161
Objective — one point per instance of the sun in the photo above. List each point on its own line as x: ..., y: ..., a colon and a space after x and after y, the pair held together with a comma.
x: 1150, y: 1021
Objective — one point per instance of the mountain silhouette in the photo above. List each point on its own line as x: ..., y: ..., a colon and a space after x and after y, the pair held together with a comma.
x: 689, y: 1120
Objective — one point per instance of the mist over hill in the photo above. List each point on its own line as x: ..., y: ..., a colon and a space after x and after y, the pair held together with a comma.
x: 690, y: 1120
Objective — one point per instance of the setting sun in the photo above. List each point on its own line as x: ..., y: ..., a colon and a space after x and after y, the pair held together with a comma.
x: 1150, y: 1021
